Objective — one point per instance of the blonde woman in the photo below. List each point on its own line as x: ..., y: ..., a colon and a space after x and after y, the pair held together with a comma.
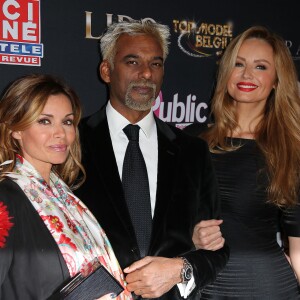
x: 254, y: 143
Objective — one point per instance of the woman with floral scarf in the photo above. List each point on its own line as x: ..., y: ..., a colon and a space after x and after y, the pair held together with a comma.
x: 47, y: 235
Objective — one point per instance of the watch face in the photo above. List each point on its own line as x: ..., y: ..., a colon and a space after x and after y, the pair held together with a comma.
x: 188, y: 273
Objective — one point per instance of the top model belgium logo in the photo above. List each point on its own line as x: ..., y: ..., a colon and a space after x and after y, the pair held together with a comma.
x: 20, y: 33
x: 204, y: 40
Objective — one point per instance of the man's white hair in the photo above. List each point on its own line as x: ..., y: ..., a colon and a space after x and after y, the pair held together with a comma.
x: 135, y: 27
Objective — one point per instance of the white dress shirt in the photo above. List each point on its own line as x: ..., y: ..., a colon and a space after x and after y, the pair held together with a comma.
x: 147, y: 140
x: 149, y: 147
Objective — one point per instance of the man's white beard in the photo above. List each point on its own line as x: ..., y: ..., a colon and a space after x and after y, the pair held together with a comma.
x: 140, y: 105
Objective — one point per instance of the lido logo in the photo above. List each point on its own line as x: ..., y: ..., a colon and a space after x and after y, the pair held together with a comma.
x: 20, y: 33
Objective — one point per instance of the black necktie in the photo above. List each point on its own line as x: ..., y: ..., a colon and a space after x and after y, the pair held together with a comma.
x: 136, y: 189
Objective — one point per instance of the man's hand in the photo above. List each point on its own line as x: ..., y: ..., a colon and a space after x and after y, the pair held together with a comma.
x: 208, y: 236
x: 152, y: 277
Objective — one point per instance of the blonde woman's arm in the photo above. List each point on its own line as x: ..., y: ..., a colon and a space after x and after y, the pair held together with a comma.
x: 294, y: 253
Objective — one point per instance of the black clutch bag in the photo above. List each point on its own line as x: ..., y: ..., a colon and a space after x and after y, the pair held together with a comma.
x: 93, y: 286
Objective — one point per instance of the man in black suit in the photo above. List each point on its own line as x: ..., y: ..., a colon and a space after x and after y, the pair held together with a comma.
x: 182, y: 183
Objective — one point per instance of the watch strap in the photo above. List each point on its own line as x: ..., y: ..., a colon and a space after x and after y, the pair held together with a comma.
x: 186, y: 271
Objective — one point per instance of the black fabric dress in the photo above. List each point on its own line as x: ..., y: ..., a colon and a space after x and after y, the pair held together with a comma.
x: 257, y: 267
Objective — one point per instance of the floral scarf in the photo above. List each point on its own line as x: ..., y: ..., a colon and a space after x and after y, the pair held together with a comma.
x: 75, y: 230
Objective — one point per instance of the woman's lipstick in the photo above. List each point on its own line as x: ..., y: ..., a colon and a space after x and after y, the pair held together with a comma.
x: 246, y: 86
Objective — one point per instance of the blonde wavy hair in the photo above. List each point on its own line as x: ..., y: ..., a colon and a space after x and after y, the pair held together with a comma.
x: 278, y: 133
x: 20, y: 107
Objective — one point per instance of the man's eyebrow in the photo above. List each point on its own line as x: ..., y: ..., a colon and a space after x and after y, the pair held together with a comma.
x: 158, y: 57
x: 128, y: 56
x: 131, y: 56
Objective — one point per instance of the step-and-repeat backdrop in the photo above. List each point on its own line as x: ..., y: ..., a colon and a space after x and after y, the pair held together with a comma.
x: 61, y: 37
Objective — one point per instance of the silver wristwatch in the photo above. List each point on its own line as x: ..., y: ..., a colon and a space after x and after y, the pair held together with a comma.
x: 186, y: 271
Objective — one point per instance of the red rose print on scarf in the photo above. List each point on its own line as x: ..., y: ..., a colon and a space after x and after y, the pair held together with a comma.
x: 54, y: 222
x: 65, y: 240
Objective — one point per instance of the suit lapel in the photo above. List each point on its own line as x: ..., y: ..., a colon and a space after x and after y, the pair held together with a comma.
x: 104, y: 158
x: 167, y: 161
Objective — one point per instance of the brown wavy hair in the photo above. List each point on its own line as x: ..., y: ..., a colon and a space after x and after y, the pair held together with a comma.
x: 20, y: 107
x: 278, y: 132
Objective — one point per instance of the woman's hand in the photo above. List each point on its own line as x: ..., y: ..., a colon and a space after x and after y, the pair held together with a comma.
x: 208, y: 236
x: 108, y: 297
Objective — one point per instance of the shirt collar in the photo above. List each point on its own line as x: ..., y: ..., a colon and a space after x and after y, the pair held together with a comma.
x: 117, y: 122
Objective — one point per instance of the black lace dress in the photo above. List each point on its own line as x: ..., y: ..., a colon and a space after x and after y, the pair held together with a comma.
x: 257, y: 268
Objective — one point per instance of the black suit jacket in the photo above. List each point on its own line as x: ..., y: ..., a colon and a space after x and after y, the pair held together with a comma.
x: 186, y: 194
x: 31, y: 264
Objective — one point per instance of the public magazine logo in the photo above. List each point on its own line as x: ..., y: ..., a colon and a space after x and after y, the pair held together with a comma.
x: 203, y: 39
x: 20, y: 32
x: 180, y: 113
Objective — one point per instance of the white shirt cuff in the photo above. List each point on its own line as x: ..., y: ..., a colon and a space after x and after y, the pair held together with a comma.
x: 186, y: 288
